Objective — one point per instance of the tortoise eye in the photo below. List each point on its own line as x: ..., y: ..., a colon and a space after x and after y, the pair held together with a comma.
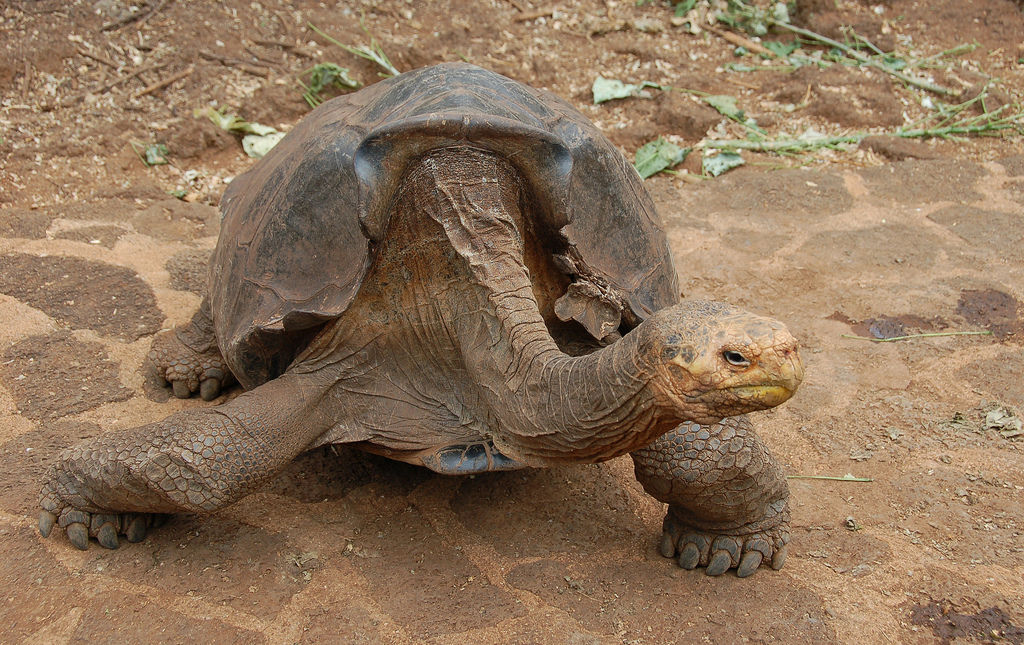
x: 735, y: 358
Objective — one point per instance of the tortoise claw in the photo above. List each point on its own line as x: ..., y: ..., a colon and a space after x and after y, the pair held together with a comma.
x: 689, y: 557
x: 107, y: 536
x: 136, y: 531
x: 181, y: 389
x: 46, y: 522
x: 730, y: 545
x: 667, y: 548
x: 779, y: 557
x: 103, y: 526
x: 749, y: 564
x: 694, y: 551
x: 107, y: 528
x: 78, y: 535
x: 719, y: 564
x: 209, y: 389
x: 718, y: 553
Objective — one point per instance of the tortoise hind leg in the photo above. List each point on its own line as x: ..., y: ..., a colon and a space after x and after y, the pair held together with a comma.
x: 189, y: 360
x: 728, y: 498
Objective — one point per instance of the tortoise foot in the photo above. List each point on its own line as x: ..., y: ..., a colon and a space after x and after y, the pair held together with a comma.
x: 744, y: 548
x: 81, y: 525
x: 189, y: 371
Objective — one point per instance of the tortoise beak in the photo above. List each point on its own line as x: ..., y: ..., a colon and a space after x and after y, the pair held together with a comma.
x: 780, y: 386
x: 791, y: 372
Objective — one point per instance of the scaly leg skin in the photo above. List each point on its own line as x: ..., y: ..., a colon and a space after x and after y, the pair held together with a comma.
x: 188, y: 358
x: 728, y: 498
x: 194, y: 461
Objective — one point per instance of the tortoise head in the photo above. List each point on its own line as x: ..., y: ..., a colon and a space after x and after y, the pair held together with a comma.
x: 709, y: 360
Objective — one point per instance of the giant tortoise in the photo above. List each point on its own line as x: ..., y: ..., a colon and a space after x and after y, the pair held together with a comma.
x: 458, y: 271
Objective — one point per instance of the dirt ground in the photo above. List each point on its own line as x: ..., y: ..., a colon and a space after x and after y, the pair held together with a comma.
x: 96, y: 256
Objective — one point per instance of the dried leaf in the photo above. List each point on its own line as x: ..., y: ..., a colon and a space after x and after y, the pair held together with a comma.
x: 1006, y: 423
x: 861, y: 455
x: 258, y: 145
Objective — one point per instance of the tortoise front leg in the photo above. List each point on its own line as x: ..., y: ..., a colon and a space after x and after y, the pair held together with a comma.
x: 194, y: 461
x: 728, y: 498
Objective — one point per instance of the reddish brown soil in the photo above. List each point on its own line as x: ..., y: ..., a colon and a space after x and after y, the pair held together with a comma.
x: 892, y: 238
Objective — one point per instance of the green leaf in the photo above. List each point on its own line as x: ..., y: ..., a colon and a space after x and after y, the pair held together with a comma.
x: 714, y: 166
x: 156, y: 154
x: 742, y: 67
x: 835, y: 54
x: 780, y: 49
x: 221, y: 120
x: 658, y: 155
x: 684, y: 7
x: 726, y: 105
x: 894, y: 63
x: 179, y: 193
x: 323, y: 76
x: 151, y: 154
x: 234, y: 123
x: 372, y: 53
x: 727, y: 20
x: 609, y: 89
x: 258, y: 139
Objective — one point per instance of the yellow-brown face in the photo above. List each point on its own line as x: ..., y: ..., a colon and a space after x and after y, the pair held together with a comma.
x: 711, y: 360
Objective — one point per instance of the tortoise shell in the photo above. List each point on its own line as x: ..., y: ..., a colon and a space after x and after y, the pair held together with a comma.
x: 299, y: 229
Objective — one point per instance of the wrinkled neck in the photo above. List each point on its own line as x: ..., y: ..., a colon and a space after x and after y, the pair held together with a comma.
x: 548, y: 406
x: 590, y: 408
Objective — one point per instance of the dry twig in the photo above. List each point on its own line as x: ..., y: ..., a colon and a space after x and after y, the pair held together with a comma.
x: 99, y: 59
x: 845, y: 478
x: 527, y: 17
x: 288, y: 47
x: 255, y: 54
x: 140, y: 16
x: 255, y: 70
x: 740, y: 41
x: 27, y: 81
x: 128, y: 77
x: 159, y: 85
x: 910, y: 336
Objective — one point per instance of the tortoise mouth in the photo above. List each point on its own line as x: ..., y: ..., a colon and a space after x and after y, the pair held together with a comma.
x: 767, y: 395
